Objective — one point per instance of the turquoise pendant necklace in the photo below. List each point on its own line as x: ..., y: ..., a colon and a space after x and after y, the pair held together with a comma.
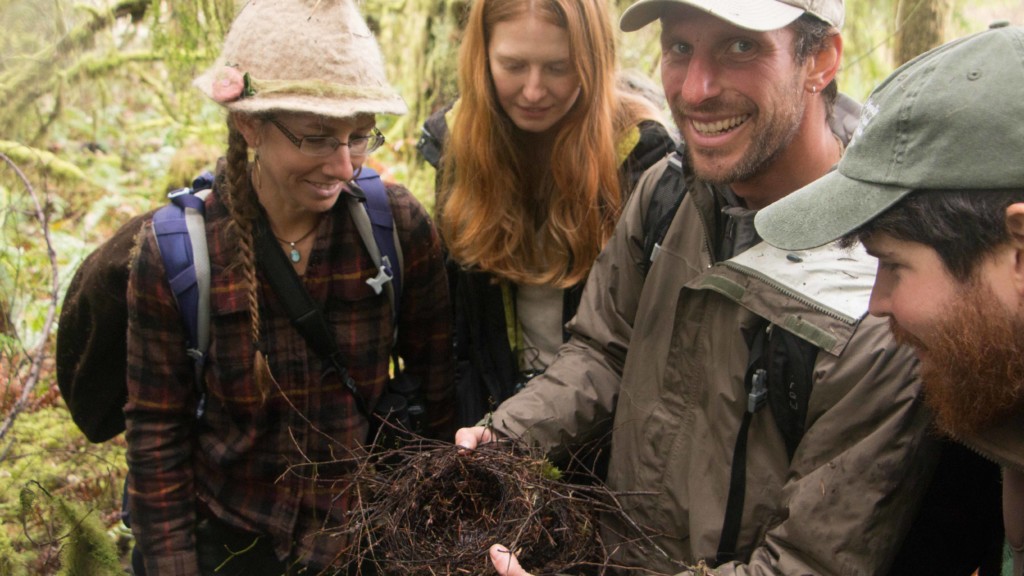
x: 295, y: 255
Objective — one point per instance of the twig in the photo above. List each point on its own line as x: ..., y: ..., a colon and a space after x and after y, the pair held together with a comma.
x: 37, y: 358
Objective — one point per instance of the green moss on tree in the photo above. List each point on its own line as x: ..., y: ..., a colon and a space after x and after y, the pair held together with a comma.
x: 88, y: 551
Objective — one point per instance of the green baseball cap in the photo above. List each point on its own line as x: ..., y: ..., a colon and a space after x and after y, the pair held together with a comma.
x: 761, y: 15
x: 951, y: 119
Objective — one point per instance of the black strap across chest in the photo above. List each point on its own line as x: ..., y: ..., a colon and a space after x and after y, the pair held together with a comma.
x: 302, y: 310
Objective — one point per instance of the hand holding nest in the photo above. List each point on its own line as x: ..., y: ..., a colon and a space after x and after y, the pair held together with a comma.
x: 505, y: 562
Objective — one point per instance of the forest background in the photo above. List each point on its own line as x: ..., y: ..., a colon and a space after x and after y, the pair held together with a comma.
x: 98, y: 120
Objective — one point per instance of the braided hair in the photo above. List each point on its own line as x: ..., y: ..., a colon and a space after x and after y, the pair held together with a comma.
x: 243, y: 207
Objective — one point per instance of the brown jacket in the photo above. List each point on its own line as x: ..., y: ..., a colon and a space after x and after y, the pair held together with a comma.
x: 845, y: 501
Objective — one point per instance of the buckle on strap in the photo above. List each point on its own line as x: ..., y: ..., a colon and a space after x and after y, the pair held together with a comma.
x: 758, y: 391
x: 384, y: 275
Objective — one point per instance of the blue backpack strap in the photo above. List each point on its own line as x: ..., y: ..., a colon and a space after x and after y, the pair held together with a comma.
x: 382, y: 225
x: 180, y: 231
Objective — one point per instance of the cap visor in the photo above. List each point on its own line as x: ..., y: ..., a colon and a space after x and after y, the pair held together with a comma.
x: 823, y: 211
x: 641, y: 14
x: 750, y: 14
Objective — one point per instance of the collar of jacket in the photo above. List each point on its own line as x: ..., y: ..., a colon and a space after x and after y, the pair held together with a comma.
x: 1002, y: 442
x: 820, y: 295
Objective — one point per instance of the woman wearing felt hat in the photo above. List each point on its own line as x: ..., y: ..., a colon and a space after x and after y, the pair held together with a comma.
x: 255, y: 484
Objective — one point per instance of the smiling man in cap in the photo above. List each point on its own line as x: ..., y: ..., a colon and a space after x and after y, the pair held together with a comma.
x: 933, y: 186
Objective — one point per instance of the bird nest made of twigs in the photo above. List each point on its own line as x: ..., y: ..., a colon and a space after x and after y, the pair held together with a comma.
x: 438, y: 508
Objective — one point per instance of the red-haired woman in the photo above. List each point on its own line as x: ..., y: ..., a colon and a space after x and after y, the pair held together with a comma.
x: 535, y: 161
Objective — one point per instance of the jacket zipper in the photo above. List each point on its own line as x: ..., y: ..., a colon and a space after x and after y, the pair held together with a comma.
x: 985, y: 453
x: 791, y: 294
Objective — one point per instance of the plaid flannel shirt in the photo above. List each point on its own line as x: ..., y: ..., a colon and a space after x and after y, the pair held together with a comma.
x: 273, y: 465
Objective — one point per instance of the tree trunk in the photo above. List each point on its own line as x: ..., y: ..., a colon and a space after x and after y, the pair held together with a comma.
x: 6, y: 327
x: 922, y: 25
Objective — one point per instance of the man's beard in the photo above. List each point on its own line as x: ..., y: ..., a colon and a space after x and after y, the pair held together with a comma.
x: 973, y: 367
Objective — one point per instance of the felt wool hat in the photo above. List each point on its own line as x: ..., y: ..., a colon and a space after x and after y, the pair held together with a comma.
x: 315, y: 56
x: 950, y: 119
x: 760, y: 15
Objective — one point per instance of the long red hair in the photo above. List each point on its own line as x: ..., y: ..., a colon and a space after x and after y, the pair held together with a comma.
x: 535, y: 232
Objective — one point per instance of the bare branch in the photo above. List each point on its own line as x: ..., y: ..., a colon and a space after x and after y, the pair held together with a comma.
x: 51, y: 313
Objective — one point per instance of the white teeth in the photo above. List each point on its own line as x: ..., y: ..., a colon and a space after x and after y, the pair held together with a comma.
x: 710, y: 128
x: 325, y: 186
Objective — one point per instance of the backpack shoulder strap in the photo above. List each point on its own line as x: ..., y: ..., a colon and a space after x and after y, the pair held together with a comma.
x: 303, y: 312
x: 180, y: 230
x: 780, y: 374
x: 790, y: 365
x: 377, y: 228
x: 665, y: 200
x: 432, y: 139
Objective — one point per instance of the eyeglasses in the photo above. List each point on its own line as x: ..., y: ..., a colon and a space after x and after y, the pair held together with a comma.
x: 358, y: 146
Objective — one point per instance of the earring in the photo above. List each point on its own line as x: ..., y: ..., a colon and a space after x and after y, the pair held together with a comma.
x: 257, y: 173
x: 814, y: 89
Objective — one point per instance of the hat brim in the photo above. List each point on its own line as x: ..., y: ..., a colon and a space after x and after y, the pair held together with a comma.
x: 327, y: 107
x: 824, y: 210
x: 382, y: 101
x: 759, y: 15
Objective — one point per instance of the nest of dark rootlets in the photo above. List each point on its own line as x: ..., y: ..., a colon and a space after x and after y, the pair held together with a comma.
x: 437, y: 509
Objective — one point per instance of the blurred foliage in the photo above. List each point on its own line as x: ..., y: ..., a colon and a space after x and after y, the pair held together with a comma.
x: 59, y: 498
x: 97, y: 110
